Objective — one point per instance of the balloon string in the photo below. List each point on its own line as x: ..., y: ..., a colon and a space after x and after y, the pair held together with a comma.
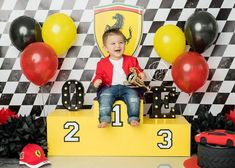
x: 180, y: 106
x: 43, y: 103
x: 43, y: 109
x: 49, y: 98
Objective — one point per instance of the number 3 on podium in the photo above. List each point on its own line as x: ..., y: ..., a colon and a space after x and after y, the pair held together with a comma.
x: 167, y: 138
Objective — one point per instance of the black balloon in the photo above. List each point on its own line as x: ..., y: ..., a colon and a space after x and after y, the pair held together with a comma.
x: 23, y: 31
x: 201, y: 30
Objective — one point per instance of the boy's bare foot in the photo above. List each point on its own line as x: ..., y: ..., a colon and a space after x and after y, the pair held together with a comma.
x: 103, y: 125
x: 134, y: 123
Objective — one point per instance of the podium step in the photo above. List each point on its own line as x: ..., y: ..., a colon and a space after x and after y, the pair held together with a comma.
x: 76, y: 134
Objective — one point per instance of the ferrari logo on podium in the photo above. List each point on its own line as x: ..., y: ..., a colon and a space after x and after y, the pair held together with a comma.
x: 126, y: 18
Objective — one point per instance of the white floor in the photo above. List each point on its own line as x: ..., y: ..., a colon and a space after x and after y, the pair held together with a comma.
x: 117, y: 162
x: 104, y: 162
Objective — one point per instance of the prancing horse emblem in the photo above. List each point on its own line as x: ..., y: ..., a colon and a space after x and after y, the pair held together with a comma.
x: 127, y: 18
x: 118, y: 25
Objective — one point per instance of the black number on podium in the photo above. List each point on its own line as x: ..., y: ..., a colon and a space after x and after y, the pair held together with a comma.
x: 117, y: 116
x: 153, y: 98
x: 70, y: 137
x: 75, y: 102
x: 167, y: 139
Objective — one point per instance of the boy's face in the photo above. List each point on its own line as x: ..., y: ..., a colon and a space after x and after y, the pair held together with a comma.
x: 115, y: 46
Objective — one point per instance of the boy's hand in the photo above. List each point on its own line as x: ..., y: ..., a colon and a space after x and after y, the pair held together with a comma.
x: 97, y: 83
x: 142, y: 76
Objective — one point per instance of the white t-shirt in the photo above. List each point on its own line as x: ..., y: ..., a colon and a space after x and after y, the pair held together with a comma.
x: 119, y: 75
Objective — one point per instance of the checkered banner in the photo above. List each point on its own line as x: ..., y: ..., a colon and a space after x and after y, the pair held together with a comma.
x: 79, y: 63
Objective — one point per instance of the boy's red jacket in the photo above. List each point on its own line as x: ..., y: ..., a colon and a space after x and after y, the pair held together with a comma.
x: 104, y: 69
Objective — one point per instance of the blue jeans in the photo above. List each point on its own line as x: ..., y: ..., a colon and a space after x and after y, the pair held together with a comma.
x: 118, y: 92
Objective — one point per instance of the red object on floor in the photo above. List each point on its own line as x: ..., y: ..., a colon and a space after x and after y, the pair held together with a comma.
x: 33, y: 156
x: 191, y: 162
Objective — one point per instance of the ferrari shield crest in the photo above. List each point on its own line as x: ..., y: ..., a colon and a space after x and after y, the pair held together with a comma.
x: 127, y: 18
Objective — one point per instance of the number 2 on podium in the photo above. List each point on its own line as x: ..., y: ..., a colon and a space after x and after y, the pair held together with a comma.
x: 70, y: 137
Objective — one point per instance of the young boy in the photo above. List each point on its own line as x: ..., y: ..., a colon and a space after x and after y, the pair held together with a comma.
x: 111, y: 72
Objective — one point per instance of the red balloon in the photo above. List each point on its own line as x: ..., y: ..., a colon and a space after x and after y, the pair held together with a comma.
x: 190, y: 71
x: 39, y: 63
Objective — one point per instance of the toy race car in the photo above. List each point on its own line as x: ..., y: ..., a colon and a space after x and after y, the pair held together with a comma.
x: 216, y: 137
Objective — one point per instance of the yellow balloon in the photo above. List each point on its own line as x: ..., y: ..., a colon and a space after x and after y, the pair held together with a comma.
x: 169, y: 42
x: 59, y: 31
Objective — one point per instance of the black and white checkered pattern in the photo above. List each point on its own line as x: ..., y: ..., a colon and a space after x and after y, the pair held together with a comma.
x: 16, y: 92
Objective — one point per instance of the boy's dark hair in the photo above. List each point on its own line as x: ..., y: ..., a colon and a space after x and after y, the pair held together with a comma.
x: 110, y: 32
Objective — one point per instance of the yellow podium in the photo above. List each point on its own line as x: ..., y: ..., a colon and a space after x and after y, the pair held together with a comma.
x: 76, y: 134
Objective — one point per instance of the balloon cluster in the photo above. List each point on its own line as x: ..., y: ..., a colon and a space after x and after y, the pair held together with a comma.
x: 189, y: 69
x: 41, y: 46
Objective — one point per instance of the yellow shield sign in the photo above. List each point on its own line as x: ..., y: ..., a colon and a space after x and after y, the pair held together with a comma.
x: 127, y: 18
